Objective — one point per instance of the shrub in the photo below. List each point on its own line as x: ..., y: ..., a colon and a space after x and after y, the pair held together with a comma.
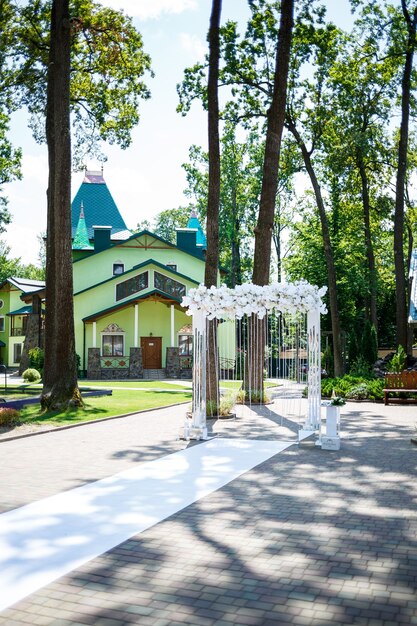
x: 369, y: 343
x: 255, y: 396
x: 31, y: 375
x: 226, y: 404
x: 353, y: 348
x: 357, y: 388
x: 398, y: 361
x: 360, y: 368
x: 9, y: 417
x: 359, y: 392
x: 37, y: 359
x: 223, y: 407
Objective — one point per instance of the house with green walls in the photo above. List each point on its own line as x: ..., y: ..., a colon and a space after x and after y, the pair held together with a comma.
x: 128, y: 289
x: 21, y: 317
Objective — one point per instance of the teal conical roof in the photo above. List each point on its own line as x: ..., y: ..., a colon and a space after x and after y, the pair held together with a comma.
x: 99, y: 207
x: 193, y: 222
x: 81, y: 240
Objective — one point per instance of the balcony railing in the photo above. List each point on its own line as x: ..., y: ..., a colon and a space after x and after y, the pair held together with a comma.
x: 17, y: 332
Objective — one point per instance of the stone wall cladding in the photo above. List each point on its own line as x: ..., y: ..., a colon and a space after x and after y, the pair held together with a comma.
x: 93, y: 364
x: 135, y: 363
x: 173, y: 369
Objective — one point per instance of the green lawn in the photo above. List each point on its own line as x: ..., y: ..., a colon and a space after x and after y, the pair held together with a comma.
x: 122, y: 401
x: 134, y: 384
x: 236, y: 384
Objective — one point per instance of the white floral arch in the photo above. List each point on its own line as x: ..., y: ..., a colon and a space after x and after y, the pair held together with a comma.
x: 248, y: 299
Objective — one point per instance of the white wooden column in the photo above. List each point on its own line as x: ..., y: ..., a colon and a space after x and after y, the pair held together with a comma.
x: 196, y: 428
x: 314, y: 370
x: 136, y: 336
x: 94, y: 334
x: 172, y: 326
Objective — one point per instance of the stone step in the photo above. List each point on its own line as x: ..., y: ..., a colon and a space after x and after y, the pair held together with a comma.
x: 158, y: 374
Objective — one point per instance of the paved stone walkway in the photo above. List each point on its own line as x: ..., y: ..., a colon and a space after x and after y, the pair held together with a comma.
x: 309, y: 537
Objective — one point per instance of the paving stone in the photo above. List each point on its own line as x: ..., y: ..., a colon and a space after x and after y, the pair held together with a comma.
x: 308, y: 537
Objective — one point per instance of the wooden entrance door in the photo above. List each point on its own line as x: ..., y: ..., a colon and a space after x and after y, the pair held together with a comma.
x: 151, y: 352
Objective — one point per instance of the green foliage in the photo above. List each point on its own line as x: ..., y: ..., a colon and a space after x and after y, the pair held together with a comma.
x: 9, y: 417
x: 31, y: 375
x: 353, y: 348
x: 337, y: 401
x: 255, y: 396
x: 223, y: 408
x: 166, y: 222
x: 37, y: 359
x: 108, y: 65
x: 358, y: 392
x: 360, y: 368
x: 369, y: 348
x: 327, y: 362
x: 370, y: 389
x: 398, y: 361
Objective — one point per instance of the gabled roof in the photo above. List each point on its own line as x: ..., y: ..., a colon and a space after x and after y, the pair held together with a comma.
x: 24, y: 310
x: 155, y: 293
x: 117, y: 277
x: 26, y: 285
x: 99, y: 206
x: 144, y: 233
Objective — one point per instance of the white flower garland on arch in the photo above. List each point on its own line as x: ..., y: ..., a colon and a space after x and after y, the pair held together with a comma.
x: 247, y: 299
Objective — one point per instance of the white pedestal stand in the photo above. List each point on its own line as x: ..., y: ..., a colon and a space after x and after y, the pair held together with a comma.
x: 330, y: 438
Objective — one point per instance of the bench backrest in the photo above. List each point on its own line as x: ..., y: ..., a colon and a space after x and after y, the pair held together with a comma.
x: 401, y: 380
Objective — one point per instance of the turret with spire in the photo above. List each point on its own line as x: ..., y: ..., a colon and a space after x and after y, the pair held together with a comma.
x: 81, y: 240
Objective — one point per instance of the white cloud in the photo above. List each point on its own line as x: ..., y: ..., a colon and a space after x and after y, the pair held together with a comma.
x: 150, y: 9
x: 35, y: 167
x: 194, y: 45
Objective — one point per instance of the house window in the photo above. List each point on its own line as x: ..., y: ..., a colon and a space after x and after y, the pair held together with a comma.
x: 118, y: 268
x: 17, y: 352
x: 131, y: 286
x: 2, y: 323
x: 185, y: 345
x: 172, y: 266
x: 169, y: 285
x: 112, y: 345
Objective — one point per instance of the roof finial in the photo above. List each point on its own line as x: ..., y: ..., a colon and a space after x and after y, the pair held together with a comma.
x: 193, y: 213
x: 82, y: 211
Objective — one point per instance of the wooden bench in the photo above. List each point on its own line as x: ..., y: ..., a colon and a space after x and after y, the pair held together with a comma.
x: 400, y: 382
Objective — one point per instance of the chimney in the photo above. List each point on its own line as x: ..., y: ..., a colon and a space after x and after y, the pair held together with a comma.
x: 101, y: 237
x: 187, y: 239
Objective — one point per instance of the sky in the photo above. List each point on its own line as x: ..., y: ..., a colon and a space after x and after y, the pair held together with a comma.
x: 147, y: 177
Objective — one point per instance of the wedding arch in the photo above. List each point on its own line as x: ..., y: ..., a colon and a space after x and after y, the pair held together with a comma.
x: 242, y: 303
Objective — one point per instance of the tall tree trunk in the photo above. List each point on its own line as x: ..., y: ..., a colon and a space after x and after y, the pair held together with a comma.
x: 277, y: 243
x: 236, y: 278
x: 368, y: 242
x: 60, y: 374
x: 253, y: 382
x: 328, y: 252
x: 400, y: 274
x: 213, y: 202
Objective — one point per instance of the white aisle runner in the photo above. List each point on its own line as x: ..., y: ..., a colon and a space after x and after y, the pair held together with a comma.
x: 46, y: 539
